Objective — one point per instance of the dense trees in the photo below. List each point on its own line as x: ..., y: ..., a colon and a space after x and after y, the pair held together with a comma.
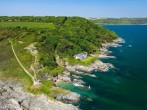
x: 65, y: 36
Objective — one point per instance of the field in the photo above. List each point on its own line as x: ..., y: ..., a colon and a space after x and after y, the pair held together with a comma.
x: 50, y: 26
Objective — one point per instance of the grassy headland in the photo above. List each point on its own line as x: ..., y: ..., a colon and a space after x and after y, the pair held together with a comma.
x: 119, y: 21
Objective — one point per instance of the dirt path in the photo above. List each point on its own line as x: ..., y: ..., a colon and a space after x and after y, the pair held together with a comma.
x: 33, y: 79
x: 34, y: 52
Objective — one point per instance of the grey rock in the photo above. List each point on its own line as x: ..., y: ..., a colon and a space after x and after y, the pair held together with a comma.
x: 71, y: 97
x: 13, y: 97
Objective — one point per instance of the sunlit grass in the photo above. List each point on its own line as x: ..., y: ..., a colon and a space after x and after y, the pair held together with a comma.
x: 89, y: 60
x: 49, y: 26
x: 86, y: 62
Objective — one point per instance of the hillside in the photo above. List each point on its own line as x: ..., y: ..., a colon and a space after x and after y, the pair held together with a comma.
x: 117, y: 21
x: 37, y: 41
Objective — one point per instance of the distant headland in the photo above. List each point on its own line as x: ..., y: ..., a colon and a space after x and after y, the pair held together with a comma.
x: 119, y: 21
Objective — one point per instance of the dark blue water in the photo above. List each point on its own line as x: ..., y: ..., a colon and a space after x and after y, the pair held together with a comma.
x: 125, y: 87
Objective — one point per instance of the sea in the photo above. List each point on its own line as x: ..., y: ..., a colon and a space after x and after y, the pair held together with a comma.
x: 125, y: 86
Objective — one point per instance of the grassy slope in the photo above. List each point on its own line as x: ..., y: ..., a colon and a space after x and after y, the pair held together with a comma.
x: 10, y: 68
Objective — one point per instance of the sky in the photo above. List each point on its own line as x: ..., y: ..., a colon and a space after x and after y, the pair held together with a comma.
x: 83, y: 8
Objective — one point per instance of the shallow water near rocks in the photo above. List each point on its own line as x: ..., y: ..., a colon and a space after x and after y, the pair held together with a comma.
x: 122, y: 88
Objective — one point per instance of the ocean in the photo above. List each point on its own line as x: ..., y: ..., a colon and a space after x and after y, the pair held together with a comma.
x: 125, y: 86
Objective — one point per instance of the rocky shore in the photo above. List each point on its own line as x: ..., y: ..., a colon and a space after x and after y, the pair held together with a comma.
x: 104, y: 52
x: 13, y: 97
x: 85, y: 70
x: 97, y: 65
x: 82, y: 70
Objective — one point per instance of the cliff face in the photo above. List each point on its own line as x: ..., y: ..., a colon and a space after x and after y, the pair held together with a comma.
x: 13, y: 97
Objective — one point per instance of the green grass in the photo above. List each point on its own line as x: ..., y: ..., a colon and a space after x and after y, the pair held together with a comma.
x: 89, y: 60
x: 86, y: 62
x: 49, y: 26
x: 58, y: 70
x: 24, y: 56
x: 73, y: 61
x: 45, y: 88
x: 9, y: 67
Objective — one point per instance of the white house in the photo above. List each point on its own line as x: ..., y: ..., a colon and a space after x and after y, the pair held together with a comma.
x: 81, y: 56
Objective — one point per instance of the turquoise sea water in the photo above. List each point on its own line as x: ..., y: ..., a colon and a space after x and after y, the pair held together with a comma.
x: 125, y: 87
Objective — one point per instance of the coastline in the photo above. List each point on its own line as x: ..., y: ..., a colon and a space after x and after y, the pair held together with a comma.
x: 98, y: 65
x: 23, y: 102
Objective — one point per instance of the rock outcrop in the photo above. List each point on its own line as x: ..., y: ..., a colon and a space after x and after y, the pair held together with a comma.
x: 97, y: 65
x: 13, y: 97
x: 70, y: 97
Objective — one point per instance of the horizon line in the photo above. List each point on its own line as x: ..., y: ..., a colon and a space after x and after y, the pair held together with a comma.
x: 65, y: 16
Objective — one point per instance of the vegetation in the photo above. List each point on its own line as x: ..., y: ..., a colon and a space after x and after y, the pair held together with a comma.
x: 45, y: 88
x: 52, y: 36
x: 87, y: 61
x: 109, y: 21
x: 49, y: 26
